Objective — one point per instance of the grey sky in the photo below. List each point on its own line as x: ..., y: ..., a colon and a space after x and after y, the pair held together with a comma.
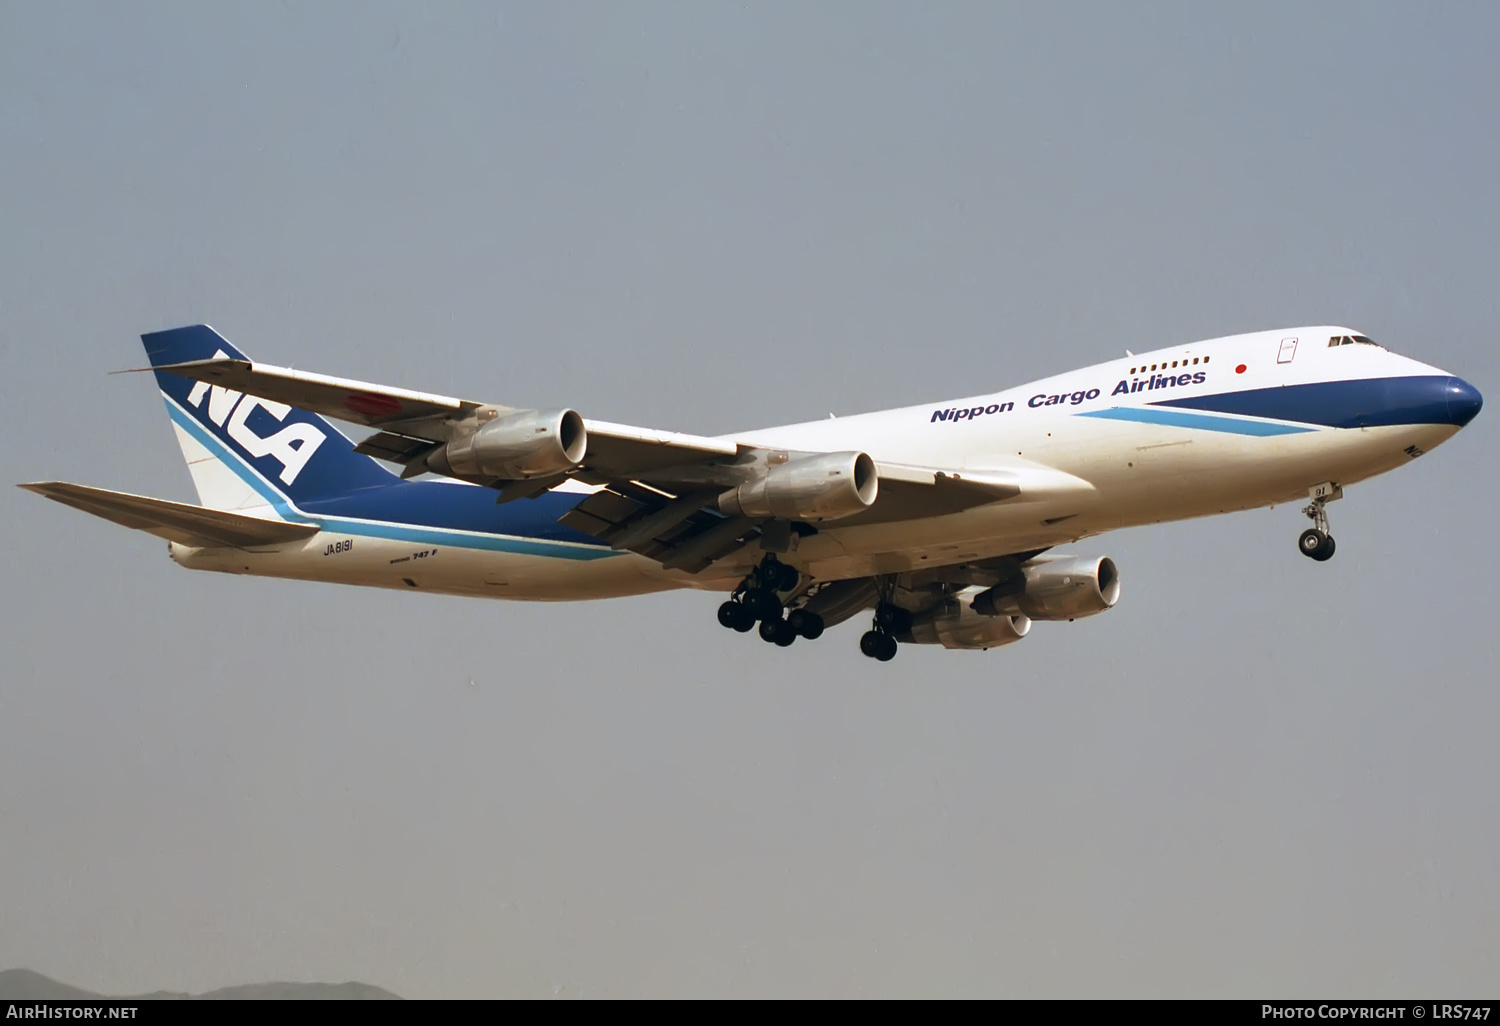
x: 1257, y: 775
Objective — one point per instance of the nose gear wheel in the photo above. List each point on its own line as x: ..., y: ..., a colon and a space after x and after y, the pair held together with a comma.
x: 1316, y: 542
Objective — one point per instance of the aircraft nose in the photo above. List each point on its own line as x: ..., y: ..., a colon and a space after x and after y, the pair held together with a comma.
x: 1464, y: 401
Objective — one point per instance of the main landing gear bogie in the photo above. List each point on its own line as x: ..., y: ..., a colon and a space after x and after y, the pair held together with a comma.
x: 757, y: 599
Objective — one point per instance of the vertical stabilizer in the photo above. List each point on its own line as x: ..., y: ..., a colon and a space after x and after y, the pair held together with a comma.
x: 249, y: 454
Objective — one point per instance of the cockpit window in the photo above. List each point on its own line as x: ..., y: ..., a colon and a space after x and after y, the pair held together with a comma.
x: 1349, y: 340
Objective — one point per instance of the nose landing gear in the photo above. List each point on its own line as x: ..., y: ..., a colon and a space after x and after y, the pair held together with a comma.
x: 1316, y: 542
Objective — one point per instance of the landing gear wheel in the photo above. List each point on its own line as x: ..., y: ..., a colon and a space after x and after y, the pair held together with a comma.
x: 1317, y: 541
x: 774, y: 575
x: 809, y: 625
x: 736, y: 617
x: 787, y: 577
x: 878, y: 645
x: 1316, y: 545
x: 778, y: 632
x: 763, y: 604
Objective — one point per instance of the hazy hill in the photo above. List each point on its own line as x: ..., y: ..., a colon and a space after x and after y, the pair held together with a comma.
x: 25, y: 985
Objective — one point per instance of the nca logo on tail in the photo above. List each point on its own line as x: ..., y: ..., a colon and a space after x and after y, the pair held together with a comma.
x: 292, y: 446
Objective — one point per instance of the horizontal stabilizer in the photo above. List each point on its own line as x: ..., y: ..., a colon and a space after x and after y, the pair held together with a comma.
x: 175, y: 521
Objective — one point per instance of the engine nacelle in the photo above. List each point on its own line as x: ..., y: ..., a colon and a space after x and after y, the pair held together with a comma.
x: 1055, y: 588
x: 956, y: 624
x: 826, y: 487
x: 522, y: 444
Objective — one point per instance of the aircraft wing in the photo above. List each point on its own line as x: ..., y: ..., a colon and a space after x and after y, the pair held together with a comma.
x: 659, y: 488
x: 413, y: 423
x: 175, y: 521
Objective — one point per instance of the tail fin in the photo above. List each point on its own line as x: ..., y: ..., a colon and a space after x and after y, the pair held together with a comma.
x: 246, y: 453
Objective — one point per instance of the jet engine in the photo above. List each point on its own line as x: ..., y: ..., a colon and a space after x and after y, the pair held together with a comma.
x: 516, y: 445
x: 1054, y: 588
x: 954, y: 623
x: 825, y: 487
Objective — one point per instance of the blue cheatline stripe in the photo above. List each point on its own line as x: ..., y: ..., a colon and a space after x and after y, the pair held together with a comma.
x: 422, y: 535
x: 1357, y: 403
x: 1172, y: 418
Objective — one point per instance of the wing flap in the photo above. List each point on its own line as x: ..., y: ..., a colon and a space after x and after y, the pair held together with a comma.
x: 175, y: 521
x: 676, y: 531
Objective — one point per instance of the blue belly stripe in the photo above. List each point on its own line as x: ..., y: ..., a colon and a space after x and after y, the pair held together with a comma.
x: 454, y: 539
x: 1198, y: 421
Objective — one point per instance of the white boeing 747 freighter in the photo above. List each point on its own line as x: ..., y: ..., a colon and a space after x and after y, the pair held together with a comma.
x: 943, y: 519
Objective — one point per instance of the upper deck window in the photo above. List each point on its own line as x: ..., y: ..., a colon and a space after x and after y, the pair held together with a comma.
x: 1143, y: 368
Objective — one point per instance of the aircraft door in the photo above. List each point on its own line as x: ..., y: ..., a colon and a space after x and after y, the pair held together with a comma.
x: 1288, y: 350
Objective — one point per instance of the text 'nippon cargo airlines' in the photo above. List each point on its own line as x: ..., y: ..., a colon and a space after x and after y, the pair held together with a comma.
x: 943, y: 519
